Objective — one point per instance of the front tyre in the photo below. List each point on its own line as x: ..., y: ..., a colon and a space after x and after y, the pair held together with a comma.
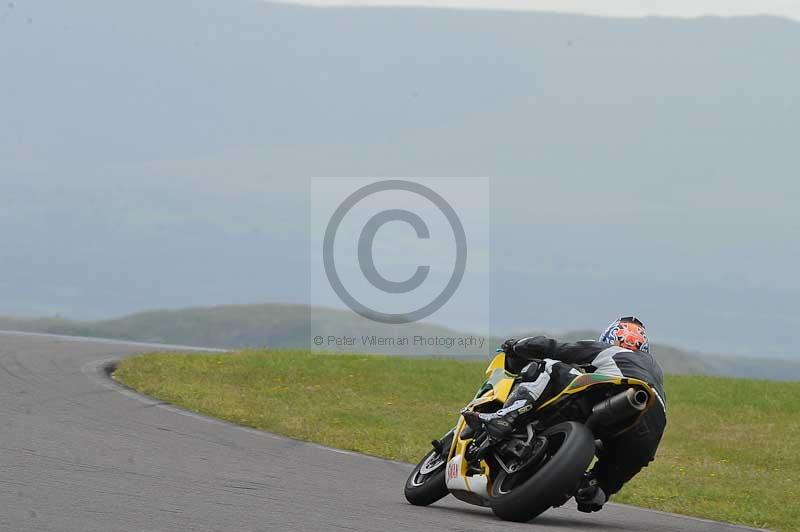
x: 426, y: 484
x: 523, y: 495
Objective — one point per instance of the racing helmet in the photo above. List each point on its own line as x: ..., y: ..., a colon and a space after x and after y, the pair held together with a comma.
x: 628, y: 332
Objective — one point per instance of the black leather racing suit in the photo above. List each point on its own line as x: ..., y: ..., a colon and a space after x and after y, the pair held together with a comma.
x: 623, y: 456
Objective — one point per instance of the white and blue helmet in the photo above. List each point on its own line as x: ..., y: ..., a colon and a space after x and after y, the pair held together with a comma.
x: 627, y: 332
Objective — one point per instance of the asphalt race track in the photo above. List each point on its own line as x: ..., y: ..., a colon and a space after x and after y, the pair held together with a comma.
x: 80, y: 453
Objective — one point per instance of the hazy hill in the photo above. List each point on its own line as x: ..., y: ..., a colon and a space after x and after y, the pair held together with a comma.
x: 231, y: 326
x: 286, y: 325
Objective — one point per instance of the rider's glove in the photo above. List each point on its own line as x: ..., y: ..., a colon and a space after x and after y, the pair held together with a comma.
x: 590, y: 496
x: 508, y: 346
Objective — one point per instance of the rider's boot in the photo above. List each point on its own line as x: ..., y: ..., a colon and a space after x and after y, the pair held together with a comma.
x: 590, y: 496
x: 501, y: 424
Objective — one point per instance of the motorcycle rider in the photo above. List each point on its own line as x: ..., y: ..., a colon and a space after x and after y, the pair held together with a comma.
x: 545, y: 366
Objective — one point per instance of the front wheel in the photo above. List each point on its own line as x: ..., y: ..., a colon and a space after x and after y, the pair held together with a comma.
x: 426, y: 484
x: 522, y: 495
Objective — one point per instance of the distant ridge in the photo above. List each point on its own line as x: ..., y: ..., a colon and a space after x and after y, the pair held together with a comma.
x: 280, y: 325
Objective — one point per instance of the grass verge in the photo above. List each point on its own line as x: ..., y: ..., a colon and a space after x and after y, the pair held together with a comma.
x: 730, y: 452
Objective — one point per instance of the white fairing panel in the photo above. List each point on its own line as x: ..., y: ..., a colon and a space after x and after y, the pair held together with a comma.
x: 453, y: 476
x: 456, y: 482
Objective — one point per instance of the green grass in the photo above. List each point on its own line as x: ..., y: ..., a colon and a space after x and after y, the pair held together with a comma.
x: 730, y: 451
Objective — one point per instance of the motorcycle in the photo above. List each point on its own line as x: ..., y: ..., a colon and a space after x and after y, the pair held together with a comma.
x: 543, y: 462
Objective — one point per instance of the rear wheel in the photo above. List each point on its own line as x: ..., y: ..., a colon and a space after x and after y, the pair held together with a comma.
x: 529, y: 491
x: 426, y: 484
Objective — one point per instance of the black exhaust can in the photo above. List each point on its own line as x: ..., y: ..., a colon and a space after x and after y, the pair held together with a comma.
x: 618, y: 408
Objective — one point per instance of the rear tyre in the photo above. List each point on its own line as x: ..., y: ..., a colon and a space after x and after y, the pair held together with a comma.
x: 426, y: 484
x: 523, y: 495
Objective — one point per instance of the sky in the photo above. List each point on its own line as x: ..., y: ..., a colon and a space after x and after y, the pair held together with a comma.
x: 158, y: 155
x: 612, y: 8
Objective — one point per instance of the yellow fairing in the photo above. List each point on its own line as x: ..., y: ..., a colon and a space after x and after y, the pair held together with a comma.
x: 459, y: 448
x: 496, y: 389
x: 498, y: 362
x: 500, y: 380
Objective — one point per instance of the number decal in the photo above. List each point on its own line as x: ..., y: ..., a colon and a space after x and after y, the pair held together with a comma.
x: 452, y: 470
